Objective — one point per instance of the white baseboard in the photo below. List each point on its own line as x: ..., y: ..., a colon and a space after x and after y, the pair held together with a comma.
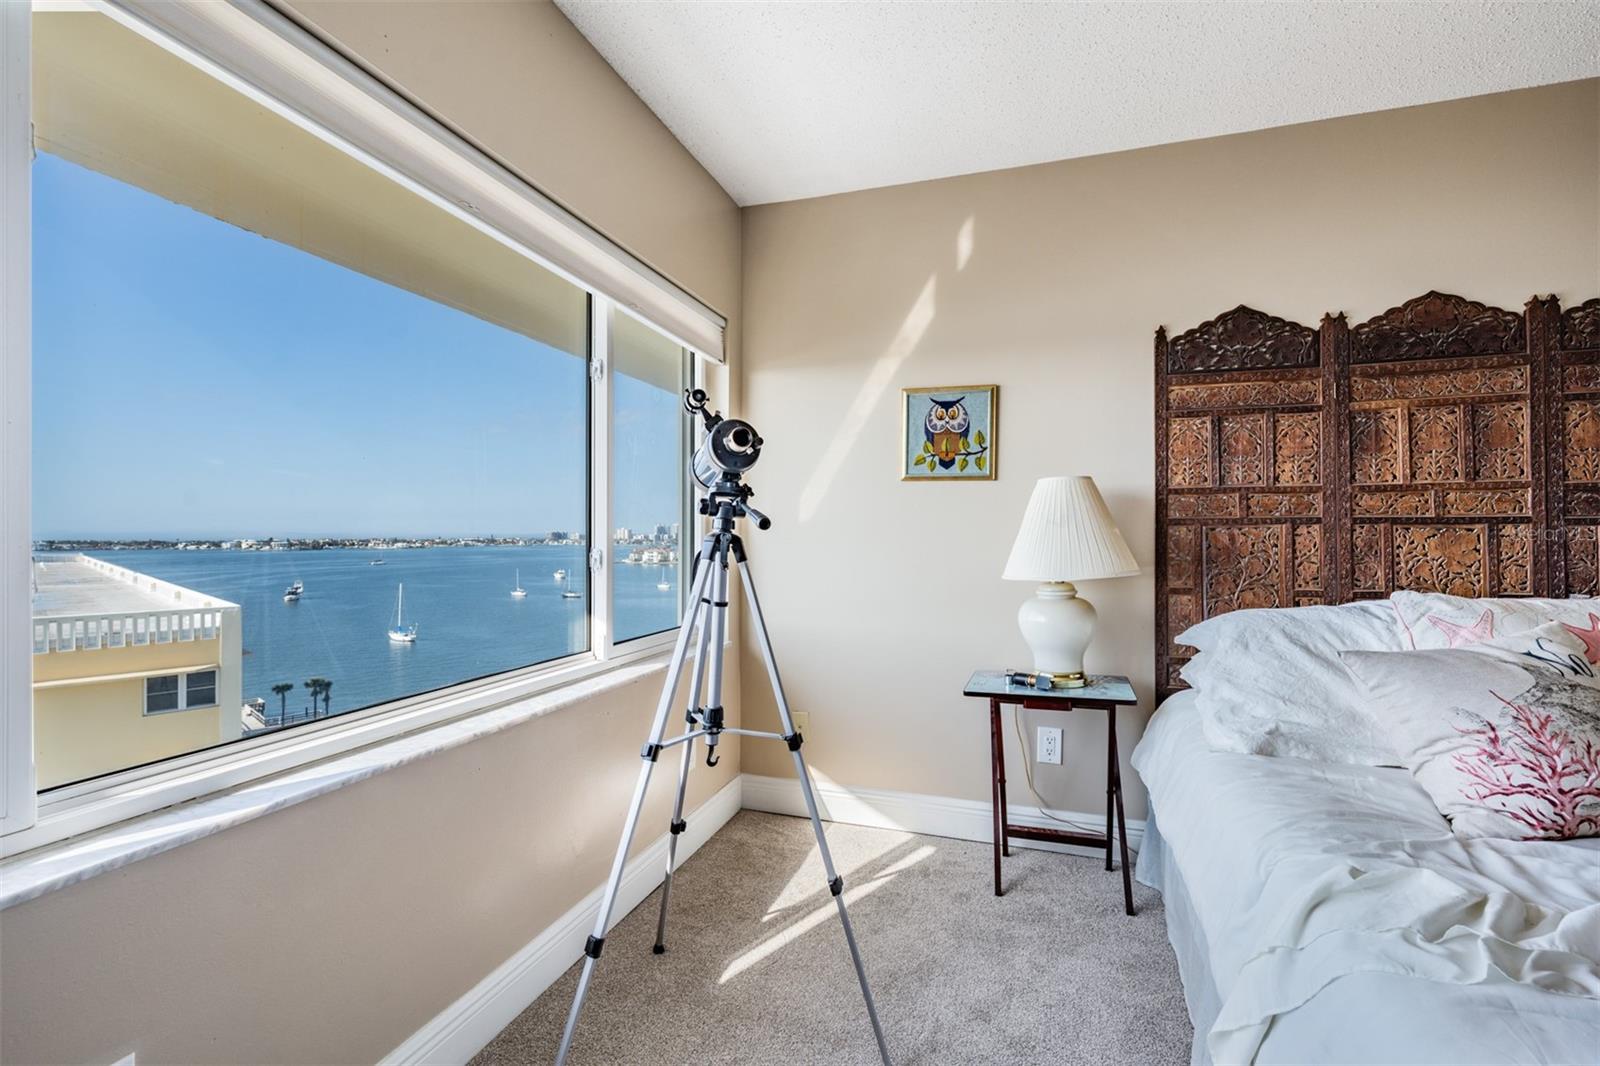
x: 913, y: 812
x: 462, y: 1029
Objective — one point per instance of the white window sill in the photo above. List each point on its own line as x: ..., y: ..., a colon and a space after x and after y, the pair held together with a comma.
x: 45, y: 869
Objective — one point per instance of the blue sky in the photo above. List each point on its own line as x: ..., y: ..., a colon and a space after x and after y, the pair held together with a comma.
x: 191, y: 379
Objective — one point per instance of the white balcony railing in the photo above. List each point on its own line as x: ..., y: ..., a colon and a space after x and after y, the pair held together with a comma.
x: 92, y: 632
x: 173, y: 614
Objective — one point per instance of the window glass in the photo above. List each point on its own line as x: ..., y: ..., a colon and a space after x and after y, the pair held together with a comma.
x: 289, y: 417
x: 160, y: 694
x: 648, y: 461
x: 200, y: 689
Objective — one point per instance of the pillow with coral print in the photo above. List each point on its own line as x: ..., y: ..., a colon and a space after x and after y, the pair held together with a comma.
x: 1437, y: 620
x: 1503, y: 734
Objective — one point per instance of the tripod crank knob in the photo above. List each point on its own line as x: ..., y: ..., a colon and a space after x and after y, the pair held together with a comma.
x: 761, y: 520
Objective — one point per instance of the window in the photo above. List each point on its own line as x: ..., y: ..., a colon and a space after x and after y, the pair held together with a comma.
x: 649, y: 494
x: 180, y: 692
x: 200, y: 688
x: 299, y: 413
x: 161, y: 694
x: 358, y: 432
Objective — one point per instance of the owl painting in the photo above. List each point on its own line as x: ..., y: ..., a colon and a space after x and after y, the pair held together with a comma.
x: 945, y: 425
x: 948, y: 433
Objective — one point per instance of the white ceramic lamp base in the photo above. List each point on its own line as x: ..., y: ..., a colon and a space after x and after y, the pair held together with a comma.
x: 1058, y: 625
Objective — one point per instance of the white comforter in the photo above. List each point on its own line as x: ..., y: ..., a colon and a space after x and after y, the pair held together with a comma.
x: 1346, y: 923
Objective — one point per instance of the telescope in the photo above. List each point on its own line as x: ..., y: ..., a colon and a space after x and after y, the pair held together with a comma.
x: 730, y: 448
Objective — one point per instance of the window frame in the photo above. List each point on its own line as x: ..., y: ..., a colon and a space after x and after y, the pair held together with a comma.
x: 317, y: 83
x: 182, y: 691
x: 177, y: 694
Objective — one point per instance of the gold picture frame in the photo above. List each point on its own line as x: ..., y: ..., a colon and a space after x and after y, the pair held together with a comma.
x: 936, y: 447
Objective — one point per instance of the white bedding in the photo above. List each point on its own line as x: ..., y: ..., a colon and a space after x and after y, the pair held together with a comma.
x: 1347, y: 924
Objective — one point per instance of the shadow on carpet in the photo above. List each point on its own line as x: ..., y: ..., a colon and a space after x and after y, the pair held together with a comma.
x: 757, y: 971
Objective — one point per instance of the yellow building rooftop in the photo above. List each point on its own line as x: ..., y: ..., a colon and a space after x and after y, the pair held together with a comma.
x: 81, y: 603
x: 77, y: 585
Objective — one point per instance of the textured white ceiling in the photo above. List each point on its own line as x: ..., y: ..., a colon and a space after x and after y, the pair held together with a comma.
x: 783, y: 100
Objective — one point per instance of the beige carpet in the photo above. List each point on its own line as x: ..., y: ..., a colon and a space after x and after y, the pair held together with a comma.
x: 756, y: 968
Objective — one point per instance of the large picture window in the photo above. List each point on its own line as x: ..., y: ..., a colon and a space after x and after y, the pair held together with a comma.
x: 297, y: 421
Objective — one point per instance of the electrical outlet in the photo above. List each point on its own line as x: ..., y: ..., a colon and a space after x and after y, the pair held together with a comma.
x: 802, y: 721
x: 1049, y: 744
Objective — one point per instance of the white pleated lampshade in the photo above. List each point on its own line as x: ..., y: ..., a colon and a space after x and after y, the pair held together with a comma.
x: 1067, y: 535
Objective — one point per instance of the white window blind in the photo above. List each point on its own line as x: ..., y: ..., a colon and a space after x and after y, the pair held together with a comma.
x: 270, y: 59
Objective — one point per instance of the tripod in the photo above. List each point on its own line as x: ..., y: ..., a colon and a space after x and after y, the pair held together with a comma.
x: 708, y: 596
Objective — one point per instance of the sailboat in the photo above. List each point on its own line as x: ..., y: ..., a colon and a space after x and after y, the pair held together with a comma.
x: 376, y: 562
x: 292, y: 593
x: 663, y: 584
x: 400, y: 633
x: 566, y: 590
x: 517, y: 591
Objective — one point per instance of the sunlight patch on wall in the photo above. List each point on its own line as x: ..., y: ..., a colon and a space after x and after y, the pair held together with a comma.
x: 882, y: 374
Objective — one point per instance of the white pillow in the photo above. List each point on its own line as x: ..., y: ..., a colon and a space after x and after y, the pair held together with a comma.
x: 1504, y: 735
x: 1270, y: 682
x: 1437, y: 620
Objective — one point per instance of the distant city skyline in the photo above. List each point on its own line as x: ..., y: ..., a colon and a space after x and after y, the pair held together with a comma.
x: 193, y: 380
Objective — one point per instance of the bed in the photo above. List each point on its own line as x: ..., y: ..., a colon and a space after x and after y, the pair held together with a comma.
x: 1241, y: 846
x: 1321, y: 911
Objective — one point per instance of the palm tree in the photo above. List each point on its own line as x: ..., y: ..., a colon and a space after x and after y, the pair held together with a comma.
x: 314, y: 686
x: 282, y: 690
x: 327, y: 696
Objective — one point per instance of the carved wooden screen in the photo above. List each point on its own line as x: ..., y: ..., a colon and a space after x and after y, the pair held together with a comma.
x: 1436, y: 447
x: 1574, y: 439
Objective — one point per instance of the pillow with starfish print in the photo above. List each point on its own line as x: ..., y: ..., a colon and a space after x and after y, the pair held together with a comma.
x: 1436, y: 620
x: 1503, y: 734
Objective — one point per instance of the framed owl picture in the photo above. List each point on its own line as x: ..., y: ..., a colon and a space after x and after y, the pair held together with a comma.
x: 948, y: 433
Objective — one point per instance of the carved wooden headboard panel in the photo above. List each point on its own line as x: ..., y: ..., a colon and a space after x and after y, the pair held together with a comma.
x: 1443, y: 445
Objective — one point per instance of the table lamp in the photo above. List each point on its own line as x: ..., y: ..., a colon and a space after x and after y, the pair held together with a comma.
x: 1067, y: 535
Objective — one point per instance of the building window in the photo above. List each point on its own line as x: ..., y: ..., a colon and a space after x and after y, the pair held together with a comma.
x: 361, y: 421
x: 161, y: 694
x: 180, y: 692
x: 200, y: 688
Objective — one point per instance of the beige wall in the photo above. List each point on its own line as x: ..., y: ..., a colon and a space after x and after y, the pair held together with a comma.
x: 331, y: 931
x: 1050, y: 281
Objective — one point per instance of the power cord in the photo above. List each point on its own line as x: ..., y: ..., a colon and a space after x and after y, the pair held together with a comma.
x: 1027, y: 773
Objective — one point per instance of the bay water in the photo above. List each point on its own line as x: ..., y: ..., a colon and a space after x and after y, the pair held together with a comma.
x: 468, y: 623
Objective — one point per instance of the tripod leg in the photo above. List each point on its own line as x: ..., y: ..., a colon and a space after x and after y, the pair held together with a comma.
x: 651, y: 750
x: 835, y: 882
x: 696, y: 690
